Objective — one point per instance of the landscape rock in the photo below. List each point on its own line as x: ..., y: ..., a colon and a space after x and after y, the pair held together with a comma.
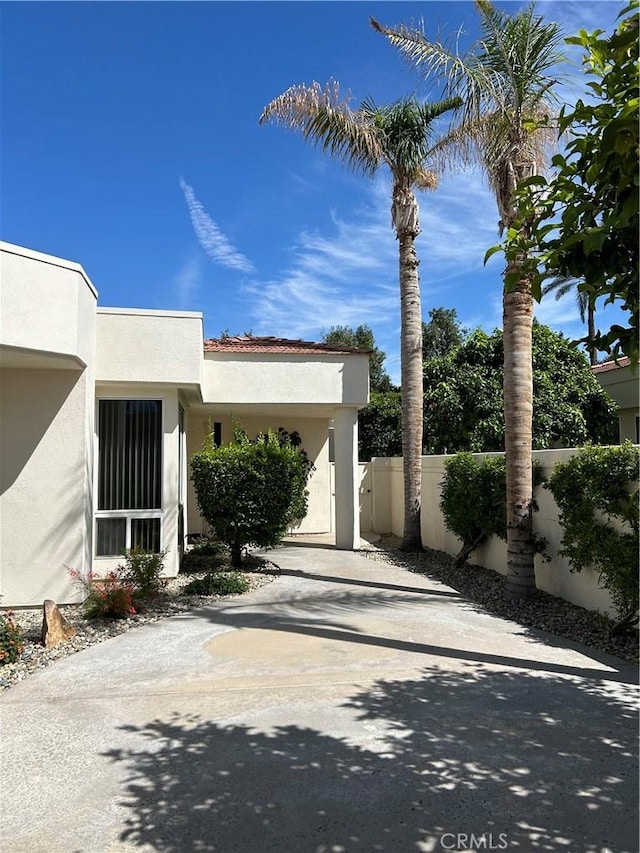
x: 55, y: 628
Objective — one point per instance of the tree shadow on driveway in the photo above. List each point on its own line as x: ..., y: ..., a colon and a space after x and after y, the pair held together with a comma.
x: 315, y: 615
x: 527, y: 761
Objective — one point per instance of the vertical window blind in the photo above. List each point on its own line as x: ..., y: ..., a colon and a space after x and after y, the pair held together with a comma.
x: 130, y: 464
x: 129, y: 476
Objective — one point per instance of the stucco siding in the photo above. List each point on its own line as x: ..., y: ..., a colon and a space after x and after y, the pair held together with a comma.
x: 628, y: 422
x: 623, y: 386
x: 48, y: 305
x: 45, y: 481
x: 328, y: 379
x: 149, y: 346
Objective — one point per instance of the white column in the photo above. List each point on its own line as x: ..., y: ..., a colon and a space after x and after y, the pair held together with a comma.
x: 346, y: 482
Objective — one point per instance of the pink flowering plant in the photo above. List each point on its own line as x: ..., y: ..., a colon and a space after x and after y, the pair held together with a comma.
x: 11, y: 639
x: 109, y: 597
x: 125, y: 590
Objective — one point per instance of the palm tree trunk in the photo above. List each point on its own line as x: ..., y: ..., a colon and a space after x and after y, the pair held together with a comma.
x: 591, y: 334
x: 518, y: 429
x: 405, y: 219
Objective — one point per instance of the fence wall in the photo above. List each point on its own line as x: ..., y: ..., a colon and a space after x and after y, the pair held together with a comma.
x: 553, y: 577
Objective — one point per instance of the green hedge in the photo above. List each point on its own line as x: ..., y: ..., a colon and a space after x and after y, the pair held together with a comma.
x: 473, y: 500
x: 597, y: 494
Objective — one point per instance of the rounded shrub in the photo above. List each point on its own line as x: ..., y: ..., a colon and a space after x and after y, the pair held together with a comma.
x: 250, y: 492
x: 206, y: 555
x: 220, y: 583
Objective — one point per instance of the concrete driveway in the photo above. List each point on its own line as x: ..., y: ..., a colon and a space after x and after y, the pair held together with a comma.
x: 349, y: 706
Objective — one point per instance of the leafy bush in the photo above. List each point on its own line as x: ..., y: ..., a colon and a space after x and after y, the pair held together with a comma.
x: 125, y: 590
x: 250, y: 492
x: 473, y: 500
x: 464, y: 401
x: 597, y: 495
x: 11, y: 639
x: 292, y: 439
x: 220, y: 583
x: 109, y: 597
x: 206, y: 555
x: 143, y: 571
x: 208, y: 546
x: 380, y: 426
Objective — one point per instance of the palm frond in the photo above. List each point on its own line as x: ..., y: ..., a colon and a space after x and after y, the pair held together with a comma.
x: 406, y: 135
x: 562, y: 285
x: 432, y: 59
x: 431, y: 112
x: 326, y: 119
x: 426, y: 179
x: 506, y: 71
x: 508, y: 120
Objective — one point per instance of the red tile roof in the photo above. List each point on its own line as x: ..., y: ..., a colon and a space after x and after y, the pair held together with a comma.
x: 249, y: 344
x: 625, y: 361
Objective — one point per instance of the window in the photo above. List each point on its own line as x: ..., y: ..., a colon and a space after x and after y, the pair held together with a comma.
x: 129, y: 511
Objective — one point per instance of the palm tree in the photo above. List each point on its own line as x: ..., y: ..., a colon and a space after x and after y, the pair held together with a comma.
x: 505, y: 81
x: 561, y: 286
x: 398, y: 136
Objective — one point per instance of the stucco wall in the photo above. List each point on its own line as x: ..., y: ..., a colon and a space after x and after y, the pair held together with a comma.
x: 553, y: 577
x: 170, y: 452
x: 281, y: 378
x: 387, y: 495
x: 45, y: 477
x: 314, y: 435
x: 624, y: 387
x: 48, y: 305
x: 628, y: 421
x: 149, y: 346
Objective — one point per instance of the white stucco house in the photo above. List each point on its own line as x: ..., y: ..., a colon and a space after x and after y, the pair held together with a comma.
x: 622, y: 384
x: 101, y: 409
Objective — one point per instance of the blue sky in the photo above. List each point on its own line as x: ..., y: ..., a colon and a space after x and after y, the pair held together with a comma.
x: 131, y: 144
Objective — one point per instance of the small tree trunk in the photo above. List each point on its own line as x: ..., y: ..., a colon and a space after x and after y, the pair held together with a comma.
x: 467, y: 549
x: 518, y: 431
x: 591, y: 335
x: 405, y: 219
x: 236, y: 556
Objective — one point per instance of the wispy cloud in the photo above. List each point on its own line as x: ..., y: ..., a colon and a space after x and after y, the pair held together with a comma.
x: 187, y: 282
x: 459, y: 223
x: 574, y: 15
x: 560, y: 314
x: 348, y: 274
x: 211, y: 238
x: 324, y: 287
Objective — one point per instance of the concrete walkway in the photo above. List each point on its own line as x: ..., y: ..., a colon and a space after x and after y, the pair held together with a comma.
x: 348, y: 706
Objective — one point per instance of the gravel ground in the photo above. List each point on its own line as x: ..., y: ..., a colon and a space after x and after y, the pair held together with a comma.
x: 479, y: 585
x: 171, y: 602
x: 486, y: 588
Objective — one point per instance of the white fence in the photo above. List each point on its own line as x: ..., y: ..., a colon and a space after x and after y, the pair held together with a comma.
x: 382, y: 512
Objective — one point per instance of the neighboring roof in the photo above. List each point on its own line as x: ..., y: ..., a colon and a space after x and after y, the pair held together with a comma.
x: 250, y: 344
x: 625, y: 361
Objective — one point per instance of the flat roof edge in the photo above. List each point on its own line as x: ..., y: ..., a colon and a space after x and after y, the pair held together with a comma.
x: 52, y: 260
x: 152, y: 312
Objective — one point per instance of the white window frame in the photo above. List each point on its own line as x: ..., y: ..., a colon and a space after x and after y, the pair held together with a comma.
x: 128, y: 514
